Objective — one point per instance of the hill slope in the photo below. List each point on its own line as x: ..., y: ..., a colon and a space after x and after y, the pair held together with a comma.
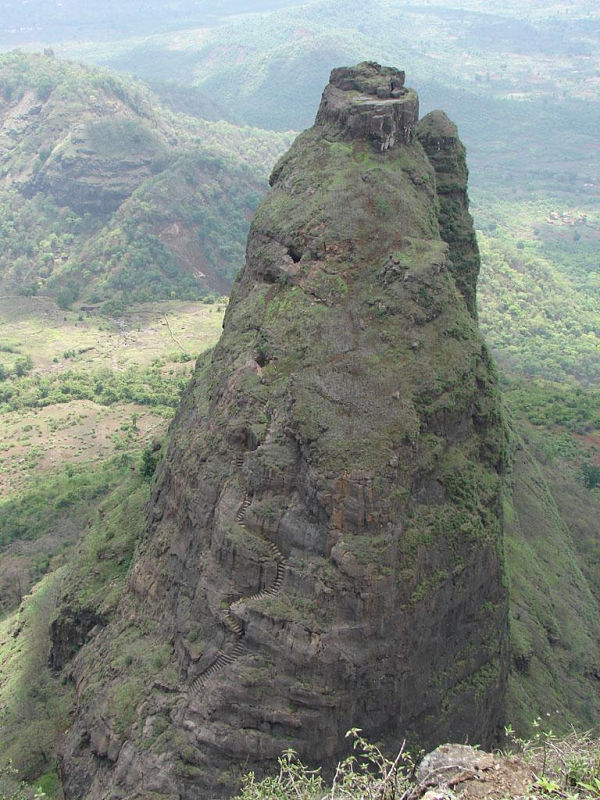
x: 105, y: 195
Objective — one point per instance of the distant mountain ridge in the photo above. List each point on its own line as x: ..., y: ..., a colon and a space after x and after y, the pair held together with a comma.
x: 108, y: 196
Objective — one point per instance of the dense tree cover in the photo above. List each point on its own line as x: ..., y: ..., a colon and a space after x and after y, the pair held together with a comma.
x: 195, y: 214
x: 539, y: 306
x: 35, y: 703
x: 540, y: 289
x: 552, y: 404
x: 69, y: 491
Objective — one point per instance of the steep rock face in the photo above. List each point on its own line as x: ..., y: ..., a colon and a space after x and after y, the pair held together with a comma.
x: 369, y: 103
x: 439, y: 138
x: 325, y: 543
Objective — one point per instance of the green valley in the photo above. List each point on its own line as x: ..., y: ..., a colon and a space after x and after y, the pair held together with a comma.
x: 127, y: 187
x: 97, y: 392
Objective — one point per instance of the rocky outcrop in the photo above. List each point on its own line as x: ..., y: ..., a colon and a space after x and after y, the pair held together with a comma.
x: 70, y: 632
x: 455, y: 771
x: 371, y: 103
x: 325, y: 539
x: 439, y: 138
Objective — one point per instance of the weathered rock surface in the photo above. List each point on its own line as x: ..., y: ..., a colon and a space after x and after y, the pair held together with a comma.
x: 454, y: 771
x: 371, y: 103
x: 325, y: 539
x: 439, y: 138
x: 69, y: 633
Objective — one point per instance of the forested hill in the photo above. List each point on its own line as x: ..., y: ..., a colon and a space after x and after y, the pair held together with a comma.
x: 107, y: 196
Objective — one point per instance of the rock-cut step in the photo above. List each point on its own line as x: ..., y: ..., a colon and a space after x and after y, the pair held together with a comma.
x: 223, y: 659
x: 238, y: 461
x: 274, y: 588
x: 233, y: 624
x: 241, y: 512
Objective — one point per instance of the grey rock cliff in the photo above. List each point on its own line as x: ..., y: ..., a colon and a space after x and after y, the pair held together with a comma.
x: 369, y: 102
x: 439, y: 138
x: 324, y: 547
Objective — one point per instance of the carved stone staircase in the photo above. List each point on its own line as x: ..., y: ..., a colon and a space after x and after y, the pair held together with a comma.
x: 226, y: 657
x: 223, y: 658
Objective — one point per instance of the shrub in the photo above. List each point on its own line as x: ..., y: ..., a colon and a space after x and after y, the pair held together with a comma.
x: 149, y: 462
x: 565, y: 766
x: 66, y: 297
x: 367, y: 774
x: 23, y: 365
x: 591, y: 476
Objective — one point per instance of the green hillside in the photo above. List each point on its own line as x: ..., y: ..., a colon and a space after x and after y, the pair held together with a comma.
x: 109, y: 195
x: 104, y: 195
x: 521, y: 82
x: 553, y: 560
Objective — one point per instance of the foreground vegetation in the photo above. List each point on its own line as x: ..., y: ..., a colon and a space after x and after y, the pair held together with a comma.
x: 561, y: 767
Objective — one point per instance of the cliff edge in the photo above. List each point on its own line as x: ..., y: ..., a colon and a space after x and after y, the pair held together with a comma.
x: 324, y: 547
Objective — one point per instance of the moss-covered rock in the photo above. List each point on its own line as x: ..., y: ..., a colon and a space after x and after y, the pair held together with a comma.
x: 439, y: 138
x: 331, y: 498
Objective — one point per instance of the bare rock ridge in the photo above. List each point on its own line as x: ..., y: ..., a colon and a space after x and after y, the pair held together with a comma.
x: 324, y: 547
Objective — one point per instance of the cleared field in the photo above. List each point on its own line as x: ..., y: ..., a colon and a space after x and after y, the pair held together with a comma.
x: 95, y: 394
x: 36, y: 325
x: 39, y: 436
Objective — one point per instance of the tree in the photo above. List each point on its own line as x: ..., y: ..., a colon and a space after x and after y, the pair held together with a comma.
x: 591, y: 475
x: 13, y: 578
x: 65, y: 297
x: 23, y: 365
x: 149, y: 462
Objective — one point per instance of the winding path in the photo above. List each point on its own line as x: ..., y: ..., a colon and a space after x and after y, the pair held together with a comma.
x: 227, y: 656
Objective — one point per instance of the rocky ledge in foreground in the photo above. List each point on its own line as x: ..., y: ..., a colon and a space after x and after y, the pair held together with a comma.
x: 325, y: 540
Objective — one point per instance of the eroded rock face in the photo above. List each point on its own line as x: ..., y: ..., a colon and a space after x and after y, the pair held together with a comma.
x: 69, y: 633
x: 369, y: 102
x: 439, y: 138
x: 325, y: 543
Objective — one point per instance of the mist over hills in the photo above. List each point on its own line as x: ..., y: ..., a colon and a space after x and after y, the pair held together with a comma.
x: 479, y: 64
x: 521, y: 82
